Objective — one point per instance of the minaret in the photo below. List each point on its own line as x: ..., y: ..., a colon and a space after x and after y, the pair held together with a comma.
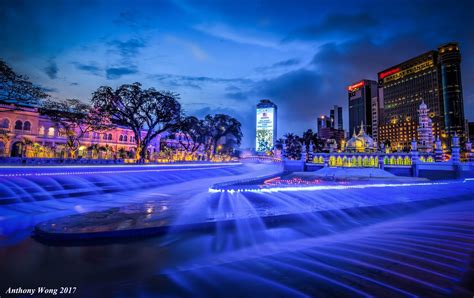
x: 439, y: 154
x: 425, y: 129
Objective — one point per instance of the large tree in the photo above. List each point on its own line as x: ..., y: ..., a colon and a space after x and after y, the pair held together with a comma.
x: 195, y: 133
x: 17, y: 89
x: 147, y: 112
x: 74, y: 119
x: 219, y: 126
x: 293, y: 147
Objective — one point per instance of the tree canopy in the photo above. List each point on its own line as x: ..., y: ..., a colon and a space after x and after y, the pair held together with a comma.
x: 17, y: 89
x: 147, y: 112
x: 221, y: 125
x: 195, y: 133
x: 74, y: 118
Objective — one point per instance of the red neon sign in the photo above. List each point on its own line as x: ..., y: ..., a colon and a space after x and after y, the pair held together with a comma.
x: 389, y: 72
x: 355, y: 86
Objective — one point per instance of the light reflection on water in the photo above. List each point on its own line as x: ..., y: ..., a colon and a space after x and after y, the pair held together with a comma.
x: 322, y: 251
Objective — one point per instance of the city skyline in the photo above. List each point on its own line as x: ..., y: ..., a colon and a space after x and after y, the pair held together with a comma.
x: 302, y: 63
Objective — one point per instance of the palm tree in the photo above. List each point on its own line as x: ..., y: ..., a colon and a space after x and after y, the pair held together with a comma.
x: 279, y: 144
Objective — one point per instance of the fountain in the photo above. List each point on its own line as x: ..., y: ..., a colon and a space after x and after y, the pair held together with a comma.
x: 278, y: 234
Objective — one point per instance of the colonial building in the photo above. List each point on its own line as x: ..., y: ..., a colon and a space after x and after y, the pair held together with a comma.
x: 24, y: 132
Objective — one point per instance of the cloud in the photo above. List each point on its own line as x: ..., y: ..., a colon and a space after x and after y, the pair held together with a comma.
x: 132, y: 19
x: 280, y: 64
x: 232, y: 88
x: 91, y: 68
x: 222, y: 31
x: 195, y: 50
x: 113, y: 73
x: 335, y: 24
x: 199, y: 53
x: 51, y: 69
x: 49, y: 89
x: 195, y: 82
x: 363, y: 58
x: 241, y: 96
x: 129, y: 48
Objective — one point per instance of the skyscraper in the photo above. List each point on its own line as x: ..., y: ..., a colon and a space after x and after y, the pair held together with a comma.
x: 433, y: 77
x: 451, y: 88
x: 266, y: 128
x: 360, y: 96
x: 336, y: 117
x: 324, y: 122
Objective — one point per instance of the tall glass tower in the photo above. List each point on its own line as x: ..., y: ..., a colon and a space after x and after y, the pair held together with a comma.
x: 451, y: 88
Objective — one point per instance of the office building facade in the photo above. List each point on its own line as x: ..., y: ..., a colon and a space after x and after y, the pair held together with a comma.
x: 433, y: 77
x: 323, y: 122
x: 336, y: 117
x: 361, y: 95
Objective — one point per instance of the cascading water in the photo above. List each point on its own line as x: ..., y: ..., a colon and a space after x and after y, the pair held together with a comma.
x: 321, y: 238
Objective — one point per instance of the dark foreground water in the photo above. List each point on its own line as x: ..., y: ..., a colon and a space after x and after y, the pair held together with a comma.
x: 383, y: 241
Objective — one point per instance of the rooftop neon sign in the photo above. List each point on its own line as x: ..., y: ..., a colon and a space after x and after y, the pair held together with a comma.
x: 389, y: 72
x: 355, y: 86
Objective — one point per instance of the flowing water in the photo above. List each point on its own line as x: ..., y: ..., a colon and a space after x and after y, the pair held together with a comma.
x: 338, y: 238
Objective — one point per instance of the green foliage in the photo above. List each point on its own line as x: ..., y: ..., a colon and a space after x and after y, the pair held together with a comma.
x: 17, y: 89
x: 74, y: 118
x: 221, y: 125
x: 142, y: 110
x: 293, y: 146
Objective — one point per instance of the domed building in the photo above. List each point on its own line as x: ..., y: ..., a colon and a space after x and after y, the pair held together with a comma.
x: 360, y: 142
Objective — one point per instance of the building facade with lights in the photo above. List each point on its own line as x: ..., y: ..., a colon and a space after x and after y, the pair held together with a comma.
x: 323, y: 122
x: 361, y: 96
x: 433, y: 77
x: 336, y: 118
x: 24, y: 132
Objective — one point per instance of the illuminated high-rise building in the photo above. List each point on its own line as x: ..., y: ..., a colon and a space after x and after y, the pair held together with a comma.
x: 433, y: 77
x: 361, y: 95
x: 336, y: 117
x: 324, y: 122
x: 266, y: 128
x: 451, y: 89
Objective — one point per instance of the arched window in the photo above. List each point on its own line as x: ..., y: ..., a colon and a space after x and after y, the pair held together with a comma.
x: 41, y: 130
x: 121, y: 138
x: 110, y: 136
x: 407, y: 161
x: 105, y: 136
x: 125, y: 138
x: 5, y: 123
x: 18, y: 124
x: 51, y: 132
x: 27, y: 125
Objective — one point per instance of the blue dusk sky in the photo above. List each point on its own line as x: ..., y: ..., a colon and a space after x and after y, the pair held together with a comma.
x: 224, y: 56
